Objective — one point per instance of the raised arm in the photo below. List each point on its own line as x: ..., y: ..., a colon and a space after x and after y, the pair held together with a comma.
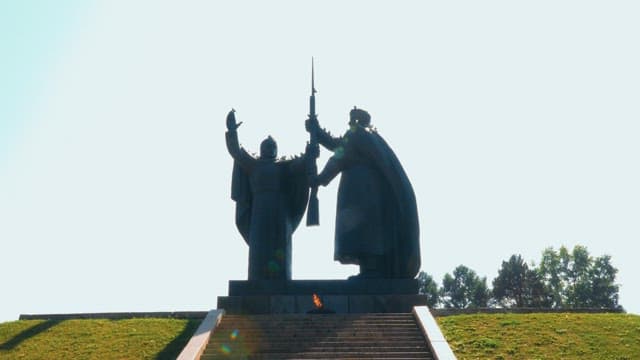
x: 324, y: 137
x: 245, y: 160
x: 330, y: 171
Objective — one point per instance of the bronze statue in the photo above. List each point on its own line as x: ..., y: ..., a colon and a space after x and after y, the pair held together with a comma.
x: 377, y: 217
x: 271, y: 196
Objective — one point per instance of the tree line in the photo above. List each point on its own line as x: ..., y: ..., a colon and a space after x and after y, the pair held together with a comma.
x: 562, y: 280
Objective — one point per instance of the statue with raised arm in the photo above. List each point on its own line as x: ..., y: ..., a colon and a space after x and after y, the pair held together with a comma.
x: 377, y: 217
x: 271, y: 197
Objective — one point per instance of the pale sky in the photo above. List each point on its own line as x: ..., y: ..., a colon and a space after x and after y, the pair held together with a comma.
x: 517, y: 123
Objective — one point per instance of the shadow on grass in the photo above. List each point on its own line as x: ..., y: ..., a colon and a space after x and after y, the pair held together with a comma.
x: 28, y: 333
x: 173, y: 349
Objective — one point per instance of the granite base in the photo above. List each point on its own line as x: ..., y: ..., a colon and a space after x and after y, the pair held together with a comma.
x: 323, y: 287
x: 341, y: 304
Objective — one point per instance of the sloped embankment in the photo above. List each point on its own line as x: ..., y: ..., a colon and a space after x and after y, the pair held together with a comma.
x: 543, y: 336
x: 95, y: 338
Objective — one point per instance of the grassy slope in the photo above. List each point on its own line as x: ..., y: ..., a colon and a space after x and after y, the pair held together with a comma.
x: 482, y: 336
x: 95, y: 339
x: 543, y: 336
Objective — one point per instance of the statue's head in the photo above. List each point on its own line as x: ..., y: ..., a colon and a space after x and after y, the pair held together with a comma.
x: 360, y: 117
x: 268, y: 148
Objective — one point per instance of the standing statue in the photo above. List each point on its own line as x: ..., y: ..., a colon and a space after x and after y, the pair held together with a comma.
x: 377, y: 217
x: 271, y: 197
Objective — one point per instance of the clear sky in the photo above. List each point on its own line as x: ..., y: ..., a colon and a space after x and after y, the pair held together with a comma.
x: 517, y: 123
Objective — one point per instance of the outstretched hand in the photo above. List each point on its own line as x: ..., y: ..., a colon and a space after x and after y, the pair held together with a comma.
x: 311, y: 124
x: 231, y: 121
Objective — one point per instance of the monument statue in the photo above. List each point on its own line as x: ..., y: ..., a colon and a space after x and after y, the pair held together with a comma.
x: 376, y: 222
x: 271, y: 196
x: 377, y: 217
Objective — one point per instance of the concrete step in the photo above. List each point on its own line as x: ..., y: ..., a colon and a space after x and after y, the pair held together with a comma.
x: 401, y: 341
x: 323, y: 327
x: 322, y: 317
x: 329, y: 344
x: 307, y: 336
x: 314, y: 334
x: 324, y: 355
x: 316, y: 327
x: 325, y: 316
x: 239, y: 324
x: 264, y: 327
x: 345, y: 349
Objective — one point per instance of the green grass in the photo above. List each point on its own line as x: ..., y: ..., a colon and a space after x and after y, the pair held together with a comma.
x: 481, y: 336
x: 95, y: 339
x: 543, y: 336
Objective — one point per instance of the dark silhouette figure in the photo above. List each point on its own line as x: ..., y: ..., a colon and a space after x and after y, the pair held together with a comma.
x: 271, y: 197
x: 377, y: 218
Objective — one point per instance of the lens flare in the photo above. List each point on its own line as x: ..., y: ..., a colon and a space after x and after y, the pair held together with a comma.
x: 234, y: 334
x: 273, y: 267
x: 225, y: 349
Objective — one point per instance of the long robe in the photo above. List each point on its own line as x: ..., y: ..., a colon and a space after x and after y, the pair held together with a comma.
x: 376, y: 215
x: 271, y: 197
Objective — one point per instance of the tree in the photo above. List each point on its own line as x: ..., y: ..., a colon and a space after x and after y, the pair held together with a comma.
x: 603, y: 287
x: 550, y: 271
x: 575, y: 279
x: 427, y: 286
x: 578, y: 280
x: 519, y: 286
x: 464, y: 289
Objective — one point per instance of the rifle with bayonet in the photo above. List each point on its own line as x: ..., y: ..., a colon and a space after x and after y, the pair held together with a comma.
x: 313, y: 212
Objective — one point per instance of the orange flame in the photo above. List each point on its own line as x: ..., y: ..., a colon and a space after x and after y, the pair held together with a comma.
x: 317, y: 302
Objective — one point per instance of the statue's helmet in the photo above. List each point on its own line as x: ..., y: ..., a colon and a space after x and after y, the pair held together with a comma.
x: 360, y: 117
x: 268, y: 148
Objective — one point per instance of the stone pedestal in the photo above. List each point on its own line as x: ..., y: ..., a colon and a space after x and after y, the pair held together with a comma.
x: 323, y: 287
x: 341, y: 296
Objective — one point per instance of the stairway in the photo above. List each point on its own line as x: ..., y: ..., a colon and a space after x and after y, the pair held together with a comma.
x: 317, y: 336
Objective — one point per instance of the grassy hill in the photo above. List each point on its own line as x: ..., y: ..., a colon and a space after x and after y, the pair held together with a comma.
x: 95, y: 339
x: 479, y: 336
x: 543, y: 336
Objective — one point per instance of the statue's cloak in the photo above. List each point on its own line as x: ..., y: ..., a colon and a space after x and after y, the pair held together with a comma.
x: 296, y: 193
x: 404, y: 244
